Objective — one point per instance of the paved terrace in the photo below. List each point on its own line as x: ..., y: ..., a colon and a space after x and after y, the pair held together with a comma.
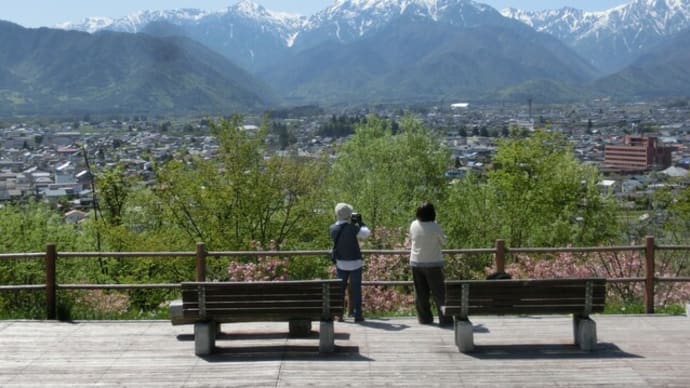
x: 634, y: 351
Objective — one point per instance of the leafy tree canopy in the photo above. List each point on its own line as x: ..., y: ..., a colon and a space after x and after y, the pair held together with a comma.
x: 536, y: 194
x: 385, y: 175
x: 241, y: 197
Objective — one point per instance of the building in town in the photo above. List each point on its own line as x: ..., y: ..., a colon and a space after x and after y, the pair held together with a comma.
x: 637, y: 153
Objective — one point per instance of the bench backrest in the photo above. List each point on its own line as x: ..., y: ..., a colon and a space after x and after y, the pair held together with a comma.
x: 514, y: 296
x: 262, y: 301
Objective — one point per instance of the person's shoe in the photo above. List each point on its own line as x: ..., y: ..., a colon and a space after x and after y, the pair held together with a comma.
x: 446, y: 323
x: 426, y: 322
x: 359, y: 319
x: 341, y: 319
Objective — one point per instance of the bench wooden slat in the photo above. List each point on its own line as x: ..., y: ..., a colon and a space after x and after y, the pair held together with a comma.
x: 529, y: 282
x: 527, y: 292
x: 261, y: 303
x: 264, y: 290
x: 256, y: 314
x: 472, y: 301
x: 526, y: 289
x: 194, y: 297
x: 518, y: 300
x: 475, y: 303
x: 254, y: 286
x: 521, y: 310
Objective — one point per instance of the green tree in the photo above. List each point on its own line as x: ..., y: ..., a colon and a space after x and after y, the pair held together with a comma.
x: 285, y: 137
x: 113, y: 186
x: 674, y: 205
x: 29, y: 227
x: 242, y: 197
x: 385, y: 175
x: 537, y: 194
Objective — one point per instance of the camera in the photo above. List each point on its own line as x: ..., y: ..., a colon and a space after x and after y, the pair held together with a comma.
x: 356, y: 218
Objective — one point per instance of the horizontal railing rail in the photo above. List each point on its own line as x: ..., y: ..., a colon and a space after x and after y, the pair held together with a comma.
x: 500, y: 251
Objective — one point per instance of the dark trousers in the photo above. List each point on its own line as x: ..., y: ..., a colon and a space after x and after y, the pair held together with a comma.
x: 355, y: 289
x: 429, y: 282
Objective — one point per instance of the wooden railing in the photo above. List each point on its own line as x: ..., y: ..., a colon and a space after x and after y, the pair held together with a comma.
x: 500, y: 251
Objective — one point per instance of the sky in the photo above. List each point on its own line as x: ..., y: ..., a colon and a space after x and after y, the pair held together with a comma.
x: 48, y: 13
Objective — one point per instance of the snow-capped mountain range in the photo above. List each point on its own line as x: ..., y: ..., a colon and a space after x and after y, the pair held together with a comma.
x: 136, y: 21
x: 284, y: 25
x: 613, y: 38
x: 665, y: 17
x: 609, y: 39
x: 349, y: 19
x: 375, y: 51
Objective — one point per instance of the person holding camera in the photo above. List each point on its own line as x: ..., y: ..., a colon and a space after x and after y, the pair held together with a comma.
x: 426, y: 260
x: 346, y: 233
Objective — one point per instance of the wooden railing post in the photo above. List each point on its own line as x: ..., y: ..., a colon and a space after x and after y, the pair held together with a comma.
x: 500, y: 255
x: 51, y: 285
x: 200, y: 262
x: 649, y: 275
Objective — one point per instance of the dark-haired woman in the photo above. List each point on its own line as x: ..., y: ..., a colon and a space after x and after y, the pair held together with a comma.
x: 426, y: 260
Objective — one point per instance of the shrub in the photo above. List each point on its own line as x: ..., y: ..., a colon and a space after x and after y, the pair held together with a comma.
x: 387, y: 299
x: 265, y: 268
x: 611, y: 265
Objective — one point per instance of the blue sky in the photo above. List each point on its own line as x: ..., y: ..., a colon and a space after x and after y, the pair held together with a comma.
x: 37, y: 13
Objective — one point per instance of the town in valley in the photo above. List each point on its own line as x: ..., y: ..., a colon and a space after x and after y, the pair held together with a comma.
x: 56, y: 160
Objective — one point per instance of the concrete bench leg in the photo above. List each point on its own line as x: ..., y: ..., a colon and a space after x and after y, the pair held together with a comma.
x: 326, y: 337
x: 464, y: 336
x: 204, y: 337
x: 300, y: 328
x: 585, y: 332
x: 175, y: 309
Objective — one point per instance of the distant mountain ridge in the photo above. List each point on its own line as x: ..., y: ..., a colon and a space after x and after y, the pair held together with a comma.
x: 663, y: 71
x: 48, y: 71
x: 246, y: 33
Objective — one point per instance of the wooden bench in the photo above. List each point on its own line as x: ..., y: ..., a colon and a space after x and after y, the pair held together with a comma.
x: 208, y: 304
x: 579, y: 297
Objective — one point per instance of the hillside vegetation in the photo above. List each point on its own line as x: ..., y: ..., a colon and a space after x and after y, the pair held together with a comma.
x: 49, y: 72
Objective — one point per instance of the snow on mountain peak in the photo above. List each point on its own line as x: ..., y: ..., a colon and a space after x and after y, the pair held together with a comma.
x: 359, y: 17
x: 135, y: 21
x: 252, y: 10
x: 90, y: 24
x: 382, y: 5
x: 614, y: 37
x: 570, y: 25
x: 249, y: 6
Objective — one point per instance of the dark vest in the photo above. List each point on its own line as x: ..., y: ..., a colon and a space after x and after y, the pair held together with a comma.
x: 347, y: 247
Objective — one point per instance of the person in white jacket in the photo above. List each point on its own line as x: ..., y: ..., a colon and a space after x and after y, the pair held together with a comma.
x: 426, y: 260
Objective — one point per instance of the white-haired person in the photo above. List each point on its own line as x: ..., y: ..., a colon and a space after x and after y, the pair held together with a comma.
x: 346, y: 233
